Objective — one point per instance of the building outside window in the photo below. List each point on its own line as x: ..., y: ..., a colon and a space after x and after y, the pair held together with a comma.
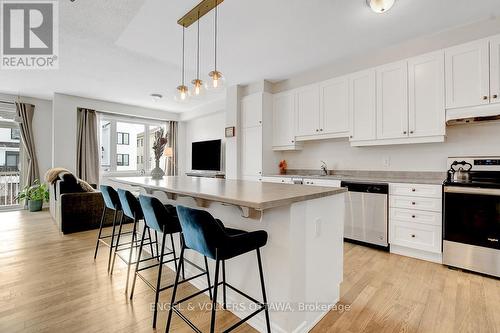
x: 15, y: 134
x: 122, y: 159
x: 117, y: 154
x: 123, y: 138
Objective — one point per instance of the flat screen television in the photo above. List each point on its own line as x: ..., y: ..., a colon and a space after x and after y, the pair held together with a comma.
x: 206, y: 155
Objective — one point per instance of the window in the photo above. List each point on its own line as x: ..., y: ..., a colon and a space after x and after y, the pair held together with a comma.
x: 123, y: 138
x: 15, y: 134
x: 126, y: 143
x: 12, y: 159
x: 122, y: 160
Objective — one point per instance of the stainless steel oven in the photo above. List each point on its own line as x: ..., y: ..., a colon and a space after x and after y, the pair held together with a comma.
x: 471, y: 235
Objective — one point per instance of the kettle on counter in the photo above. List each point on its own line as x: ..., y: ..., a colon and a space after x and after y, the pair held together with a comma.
x: 459, y: 171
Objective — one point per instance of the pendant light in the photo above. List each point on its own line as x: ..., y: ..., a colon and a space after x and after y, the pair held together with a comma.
x: 198, y: 89
x: 182, y: 90
x: 380, y: 6
x: 216, y: 81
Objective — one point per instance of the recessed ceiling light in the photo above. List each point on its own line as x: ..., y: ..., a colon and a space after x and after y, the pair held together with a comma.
x: 380, y: 6
x: 156, y: 97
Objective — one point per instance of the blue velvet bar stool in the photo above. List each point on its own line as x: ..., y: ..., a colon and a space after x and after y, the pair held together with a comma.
x: 206, y: 235
x: 111, y: 202
x: 161, y: 218
x: 131, y: 208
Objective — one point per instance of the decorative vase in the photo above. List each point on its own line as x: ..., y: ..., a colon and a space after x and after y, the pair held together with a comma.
x: 157, y: 172
x: 35, y: 205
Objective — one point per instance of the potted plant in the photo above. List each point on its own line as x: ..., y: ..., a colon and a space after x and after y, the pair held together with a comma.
x: 35, y: 195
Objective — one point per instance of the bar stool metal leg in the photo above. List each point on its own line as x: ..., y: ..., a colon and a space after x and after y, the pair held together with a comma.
x: 214, y: 300
x: 173, y: 250
x: 174, y: 291
x: 158, y: 281
x: 117, y: 243
x: 208, y: 278
x: 151, y: 244
x: 112, y: 239
x: 224, y: 285
x: 137, y: 264
x: 264, y: 297
x: 132, y: 245
x: 156, y: 242
x: 100, y: 231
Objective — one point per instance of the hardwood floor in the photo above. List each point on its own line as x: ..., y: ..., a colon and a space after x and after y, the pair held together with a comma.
x: 50, y: 283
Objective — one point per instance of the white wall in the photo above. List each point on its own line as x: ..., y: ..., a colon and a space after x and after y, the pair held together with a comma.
x: 463, y: 140
x: 42, y: 129
x: 209, y: 127
x: 410, y: 48
x: 65, y: 117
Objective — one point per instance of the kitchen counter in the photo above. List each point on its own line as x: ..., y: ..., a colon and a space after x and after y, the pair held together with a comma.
x: 430, y: 178
x: 303, y: 259
x: 256, y: 195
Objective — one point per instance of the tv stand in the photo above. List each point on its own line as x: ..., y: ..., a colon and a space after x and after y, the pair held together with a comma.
x: 206, y: 174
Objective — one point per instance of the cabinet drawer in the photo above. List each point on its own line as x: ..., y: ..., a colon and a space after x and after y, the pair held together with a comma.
x: 416, y: 236
x: 322, y: 182
x: 283, y: 180
x: 416, y: 216
x: 418, y: 203
x: 416, y: 190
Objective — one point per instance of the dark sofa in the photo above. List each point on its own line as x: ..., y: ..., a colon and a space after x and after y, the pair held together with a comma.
x: 75, y: 210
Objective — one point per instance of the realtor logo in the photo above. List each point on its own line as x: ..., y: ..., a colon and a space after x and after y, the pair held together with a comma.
x: 29, y: 34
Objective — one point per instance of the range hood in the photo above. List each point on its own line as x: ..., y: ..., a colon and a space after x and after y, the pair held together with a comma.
x: 474, y: 114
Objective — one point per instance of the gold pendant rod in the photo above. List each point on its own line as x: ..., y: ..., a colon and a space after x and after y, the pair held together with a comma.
x: 198, y: 12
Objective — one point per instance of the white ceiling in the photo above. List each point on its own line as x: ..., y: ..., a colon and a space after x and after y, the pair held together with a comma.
x: 124, y: 50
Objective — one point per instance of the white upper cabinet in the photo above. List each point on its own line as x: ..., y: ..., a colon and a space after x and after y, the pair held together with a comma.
x: 308, y: 118
x: 251, y: 158
x: 426, y: 95
x: 334, y: 106
x: 284, y: 122
x: 467, y: 75
x: 362, y: 106
x: 251, y: 111
x: 392, y: 101
x: 495, y: 70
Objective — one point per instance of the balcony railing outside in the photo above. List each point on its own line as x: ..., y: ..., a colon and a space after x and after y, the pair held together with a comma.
x: 9, y: 186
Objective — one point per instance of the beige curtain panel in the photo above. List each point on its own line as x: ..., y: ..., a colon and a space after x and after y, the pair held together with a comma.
x: 24, y: 113
x: 172, y: 142
x: 87, y: 147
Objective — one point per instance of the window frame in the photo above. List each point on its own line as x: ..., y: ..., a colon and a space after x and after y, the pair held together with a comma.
x: 12, y: 153
x: 146, y: 145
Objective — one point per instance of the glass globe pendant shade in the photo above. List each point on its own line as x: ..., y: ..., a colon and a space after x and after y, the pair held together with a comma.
x: 182, y: 94
x: 380, y: 6
x: 216, y: 81
x: 197, y: 90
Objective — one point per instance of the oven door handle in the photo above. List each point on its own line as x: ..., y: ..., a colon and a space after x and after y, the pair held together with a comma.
x: 472, y: 190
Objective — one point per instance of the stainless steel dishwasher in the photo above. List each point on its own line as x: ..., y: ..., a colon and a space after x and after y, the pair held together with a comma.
x: 366, y: 219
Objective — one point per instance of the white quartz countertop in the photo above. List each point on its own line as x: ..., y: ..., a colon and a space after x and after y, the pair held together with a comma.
x: 256, y: 195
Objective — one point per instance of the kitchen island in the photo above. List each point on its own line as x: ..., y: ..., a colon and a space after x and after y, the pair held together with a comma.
x: 304, y: 255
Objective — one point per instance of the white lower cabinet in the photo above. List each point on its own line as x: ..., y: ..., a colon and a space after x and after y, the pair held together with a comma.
x: 321, y: 182
x: 281, y: 180
x: 415, y: 221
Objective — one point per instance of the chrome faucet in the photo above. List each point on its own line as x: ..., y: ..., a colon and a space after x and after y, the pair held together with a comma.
x: 324, y: 168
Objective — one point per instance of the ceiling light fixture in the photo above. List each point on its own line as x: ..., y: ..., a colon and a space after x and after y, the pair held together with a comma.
x: 156, y: 97
x: 182, y: 90
x: 380, y: 6
x: 198, y: 88
x: 217, y: 79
